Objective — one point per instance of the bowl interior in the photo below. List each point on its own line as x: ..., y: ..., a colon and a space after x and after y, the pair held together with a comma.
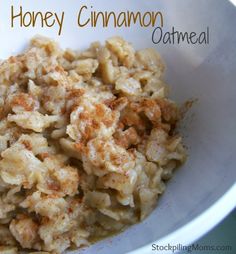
x: 205, y: 72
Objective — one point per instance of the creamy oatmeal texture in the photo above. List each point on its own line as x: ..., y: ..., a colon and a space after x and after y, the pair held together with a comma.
x: 86, y: 141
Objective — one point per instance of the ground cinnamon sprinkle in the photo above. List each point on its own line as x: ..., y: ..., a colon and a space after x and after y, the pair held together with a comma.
x: 22, y: 100
x: 27, y: 144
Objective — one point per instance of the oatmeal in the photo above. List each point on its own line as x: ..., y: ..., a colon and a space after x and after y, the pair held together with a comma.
x: 87, y: 142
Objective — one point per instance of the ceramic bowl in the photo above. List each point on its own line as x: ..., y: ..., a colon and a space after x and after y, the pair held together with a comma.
x: 202, y: 192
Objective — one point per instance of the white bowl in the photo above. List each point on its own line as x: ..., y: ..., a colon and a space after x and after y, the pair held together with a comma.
x: 203, y: 191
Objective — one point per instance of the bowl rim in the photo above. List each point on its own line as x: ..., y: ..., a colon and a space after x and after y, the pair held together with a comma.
x: 197, y: 227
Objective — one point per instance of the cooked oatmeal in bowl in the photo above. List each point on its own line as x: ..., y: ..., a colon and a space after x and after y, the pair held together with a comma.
x: 87, y: 141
